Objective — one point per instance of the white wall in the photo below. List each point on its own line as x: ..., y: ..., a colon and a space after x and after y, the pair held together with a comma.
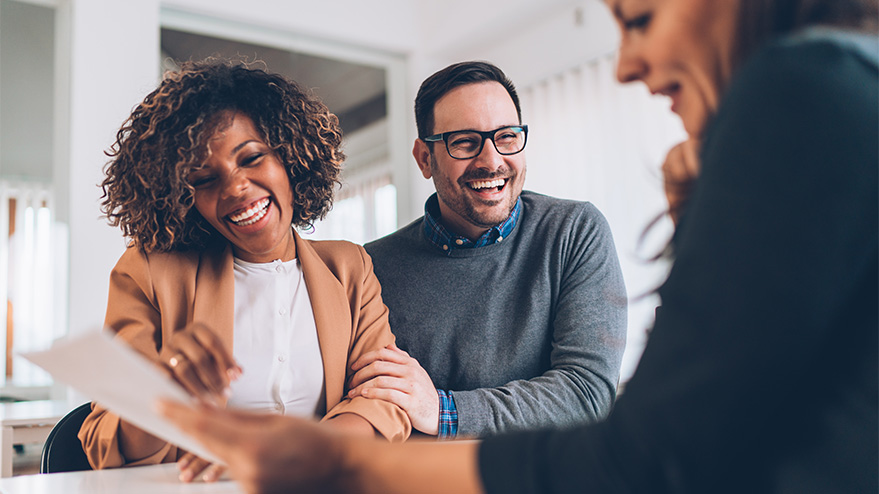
x: 527, y: 40
x: 26, y: 90
x: 112, y: 54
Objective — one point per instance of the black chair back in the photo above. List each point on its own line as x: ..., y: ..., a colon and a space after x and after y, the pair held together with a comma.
x: 63, y: 451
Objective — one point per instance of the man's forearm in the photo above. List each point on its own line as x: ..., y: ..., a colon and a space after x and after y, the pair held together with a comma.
x: 558, y: 398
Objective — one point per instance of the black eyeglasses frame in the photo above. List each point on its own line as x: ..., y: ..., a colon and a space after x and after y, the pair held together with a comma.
x: 487, y: 135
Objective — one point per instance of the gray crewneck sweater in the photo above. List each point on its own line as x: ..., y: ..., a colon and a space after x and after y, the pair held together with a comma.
x: 528, y: 332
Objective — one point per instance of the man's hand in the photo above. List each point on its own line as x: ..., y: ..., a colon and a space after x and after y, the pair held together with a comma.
x: 390, y: 374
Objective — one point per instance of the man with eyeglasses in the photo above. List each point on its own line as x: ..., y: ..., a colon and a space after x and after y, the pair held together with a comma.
x: 510, y: 305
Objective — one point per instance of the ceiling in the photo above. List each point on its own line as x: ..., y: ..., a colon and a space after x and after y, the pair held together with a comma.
x: 355, y: 93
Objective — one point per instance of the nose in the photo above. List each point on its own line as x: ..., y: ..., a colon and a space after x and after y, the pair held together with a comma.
x: 489, y: 157
x: 235, y: 183
x: 630, y: 66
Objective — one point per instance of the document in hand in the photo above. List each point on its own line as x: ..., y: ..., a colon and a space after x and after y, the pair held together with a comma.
x: 119, y: 378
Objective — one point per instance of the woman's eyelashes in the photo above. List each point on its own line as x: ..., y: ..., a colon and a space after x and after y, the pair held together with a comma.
x: 202, y: 179
x: 252, y: 159
x: 203, y: 183
x: 636, y: 23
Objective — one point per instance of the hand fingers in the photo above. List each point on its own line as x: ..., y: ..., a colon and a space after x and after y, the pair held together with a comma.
x: 394, y: 347
x: 199, y: 362
x: 193, y: 468
x: 213, y: 472
x: 217, y: 350
x: 680, y: 167
x: 379, y: 368
x: 690, y: 153
x: 399, y: 398
x: 382, y: 354
x: 185, y: 370
x: 673, y: 164
x: 402, y: 385
x: 185, y: 460
x: 204, y: 350
x: 681, y: 162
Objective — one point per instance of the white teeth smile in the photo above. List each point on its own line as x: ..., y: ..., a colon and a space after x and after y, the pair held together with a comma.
x: 252, y: 214
x: 487, y: 184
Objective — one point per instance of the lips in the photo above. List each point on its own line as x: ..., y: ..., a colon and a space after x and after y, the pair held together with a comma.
x: 250, y: 214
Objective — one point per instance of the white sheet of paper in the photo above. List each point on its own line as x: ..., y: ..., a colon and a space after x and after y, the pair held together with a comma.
x: 119, y: 378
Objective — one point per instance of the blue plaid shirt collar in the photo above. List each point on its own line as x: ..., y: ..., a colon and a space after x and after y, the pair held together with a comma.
x: 439, y: 236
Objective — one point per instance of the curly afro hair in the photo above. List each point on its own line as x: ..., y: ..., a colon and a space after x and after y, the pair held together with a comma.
x: 146, y: 192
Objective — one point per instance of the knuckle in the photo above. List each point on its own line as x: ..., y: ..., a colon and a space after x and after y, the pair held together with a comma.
x: 201, y: 360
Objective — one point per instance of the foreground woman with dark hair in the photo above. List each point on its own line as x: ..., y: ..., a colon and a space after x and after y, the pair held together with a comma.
x: 761, y: 373
x: 208, y: 177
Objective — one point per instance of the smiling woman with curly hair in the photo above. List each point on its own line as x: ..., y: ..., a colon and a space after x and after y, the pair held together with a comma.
x: 147, y: 191
x: 208, y: 178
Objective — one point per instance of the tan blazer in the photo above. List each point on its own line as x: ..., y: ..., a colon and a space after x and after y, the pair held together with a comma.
x: 153, y: 295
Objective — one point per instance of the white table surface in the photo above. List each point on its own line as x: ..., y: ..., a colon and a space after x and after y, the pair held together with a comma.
x: 152, y: 479
x: 31, y: 413
x: 26, y: 422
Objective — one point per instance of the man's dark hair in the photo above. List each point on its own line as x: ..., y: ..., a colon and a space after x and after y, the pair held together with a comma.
x: 459, y: 74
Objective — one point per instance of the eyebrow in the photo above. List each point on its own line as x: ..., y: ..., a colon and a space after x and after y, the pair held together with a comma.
x: 238, y: 147
x: 474, y: 130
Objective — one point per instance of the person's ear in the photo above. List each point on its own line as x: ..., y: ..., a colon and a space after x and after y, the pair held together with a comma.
x: 421, y: 153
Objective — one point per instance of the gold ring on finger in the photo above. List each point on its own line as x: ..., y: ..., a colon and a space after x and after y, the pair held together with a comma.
x: 175, y: 360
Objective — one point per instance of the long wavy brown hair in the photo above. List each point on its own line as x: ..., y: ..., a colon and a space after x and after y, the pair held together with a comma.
x: 146, y: 192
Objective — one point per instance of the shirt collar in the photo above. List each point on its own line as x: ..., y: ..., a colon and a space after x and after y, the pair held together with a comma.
x: 439, y: 236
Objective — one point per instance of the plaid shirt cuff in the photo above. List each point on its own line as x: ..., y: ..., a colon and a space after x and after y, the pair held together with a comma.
x: 448, y: 416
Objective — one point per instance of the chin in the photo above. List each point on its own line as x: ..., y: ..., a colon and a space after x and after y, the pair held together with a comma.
x: 492, y: 218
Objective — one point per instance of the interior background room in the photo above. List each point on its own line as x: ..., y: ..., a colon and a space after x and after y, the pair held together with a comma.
x: 72, y: 70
